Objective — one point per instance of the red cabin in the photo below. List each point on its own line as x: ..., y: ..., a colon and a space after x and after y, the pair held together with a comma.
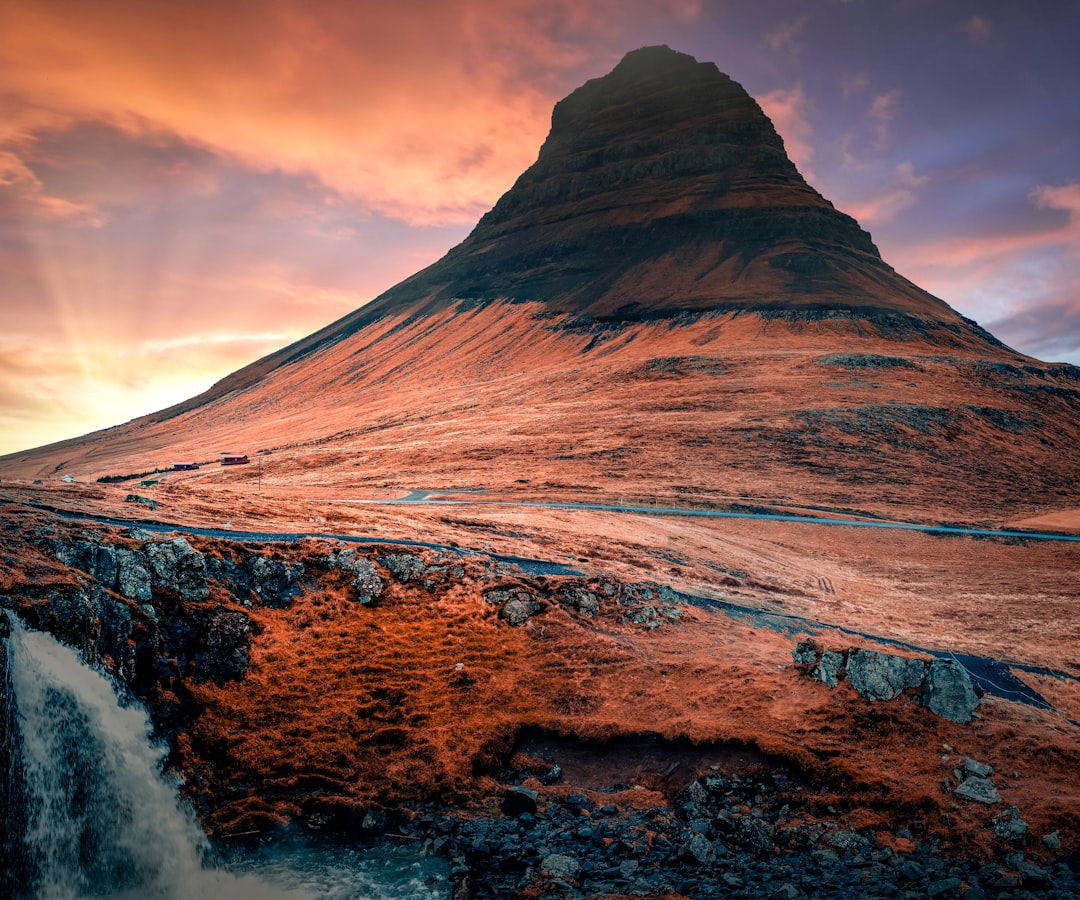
x: 184, y: 466
x: 234, y: 459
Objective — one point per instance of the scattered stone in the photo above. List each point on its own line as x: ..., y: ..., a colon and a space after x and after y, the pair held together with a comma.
x: 755, y: 835
x: 949, y: 692
x: 1032, y: 874
x: 697, y: 851
x: 1010, y: 826
x: 558, y: 865
x: 519, y: 799
x: 944, y: 886
x: 972, y: 767
x: 1052, y: 841
x: 980, y: 790
x: 145, y: 501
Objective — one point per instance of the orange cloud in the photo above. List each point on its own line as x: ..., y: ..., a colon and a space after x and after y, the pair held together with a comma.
x: 428, y: 116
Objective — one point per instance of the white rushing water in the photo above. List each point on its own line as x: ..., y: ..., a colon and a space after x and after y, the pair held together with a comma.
x: 103, y: 822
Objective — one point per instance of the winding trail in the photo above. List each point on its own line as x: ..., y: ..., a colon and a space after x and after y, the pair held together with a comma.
x: 430, y: 498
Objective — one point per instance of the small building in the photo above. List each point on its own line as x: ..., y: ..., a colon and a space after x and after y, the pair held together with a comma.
x: 184, y: 466
x: 234, y: 459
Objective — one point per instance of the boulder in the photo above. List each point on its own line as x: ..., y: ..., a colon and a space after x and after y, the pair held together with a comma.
x: 515, y: 612
x: 145, y: 501
x: 949, y: 692
x: 830, y: 668
x: 583, y: 600
x: 805, y: 653
x: 881, y: 676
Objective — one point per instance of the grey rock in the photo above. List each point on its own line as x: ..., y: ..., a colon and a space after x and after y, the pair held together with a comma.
x: 980, y: 790
x: 273, y: 580
x: 698, y: 850
x: 105, y: 565
x: 646, y: 615
x: 755, y: 835
x: 1052, y: 841
x: 518, y: 800
x: 805, y: 653
x: 145, y: 501
x: 1031, y: 873
x: 949, y: 692
x: 366, y: 581
x: 829, y: 669
x: 584, y: 601
x: 881, y: 676
x: 1012, y: 827
x: 515, y: 612
x: 405, y: 567
x: 972, y: 767
x: 133, y: 575
x: 175, y: 564
x: 559, y: 865
x: 944, y: 887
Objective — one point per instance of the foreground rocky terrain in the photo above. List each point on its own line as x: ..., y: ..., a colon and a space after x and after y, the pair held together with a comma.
x: 558, y: 731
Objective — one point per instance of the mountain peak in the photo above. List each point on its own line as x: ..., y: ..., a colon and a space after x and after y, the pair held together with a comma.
x: 663, y: 188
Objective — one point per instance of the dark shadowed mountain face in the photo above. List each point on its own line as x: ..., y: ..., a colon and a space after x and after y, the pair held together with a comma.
x: 664, y: 188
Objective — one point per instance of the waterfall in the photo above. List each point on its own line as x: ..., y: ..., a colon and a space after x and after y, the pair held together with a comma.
x: 99, y: 816
x: 85, y: 811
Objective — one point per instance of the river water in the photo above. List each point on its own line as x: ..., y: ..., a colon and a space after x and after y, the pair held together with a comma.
x: 98, y: 819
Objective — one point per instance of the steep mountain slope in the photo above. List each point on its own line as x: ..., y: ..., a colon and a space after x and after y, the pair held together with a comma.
x: 660, y: 307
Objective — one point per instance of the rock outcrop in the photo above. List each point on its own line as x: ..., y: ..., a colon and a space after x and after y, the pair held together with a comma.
x: 944, y: 686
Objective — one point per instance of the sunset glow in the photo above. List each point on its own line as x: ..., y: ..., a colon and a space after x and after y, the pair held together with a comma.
x: 185, y: 188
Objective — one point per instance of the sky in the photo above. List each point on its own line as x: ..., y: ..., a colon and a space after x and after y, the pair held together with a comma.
x: 186, y: 187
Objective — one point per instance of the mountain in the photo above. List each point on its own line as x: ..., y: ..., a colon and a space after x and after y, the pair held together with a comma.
x: 661, y: 307
x: 663, y: 188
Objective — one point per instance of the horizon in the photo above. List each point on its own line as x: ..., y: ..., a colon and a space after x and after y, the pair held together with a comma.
x: 183, y: 191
